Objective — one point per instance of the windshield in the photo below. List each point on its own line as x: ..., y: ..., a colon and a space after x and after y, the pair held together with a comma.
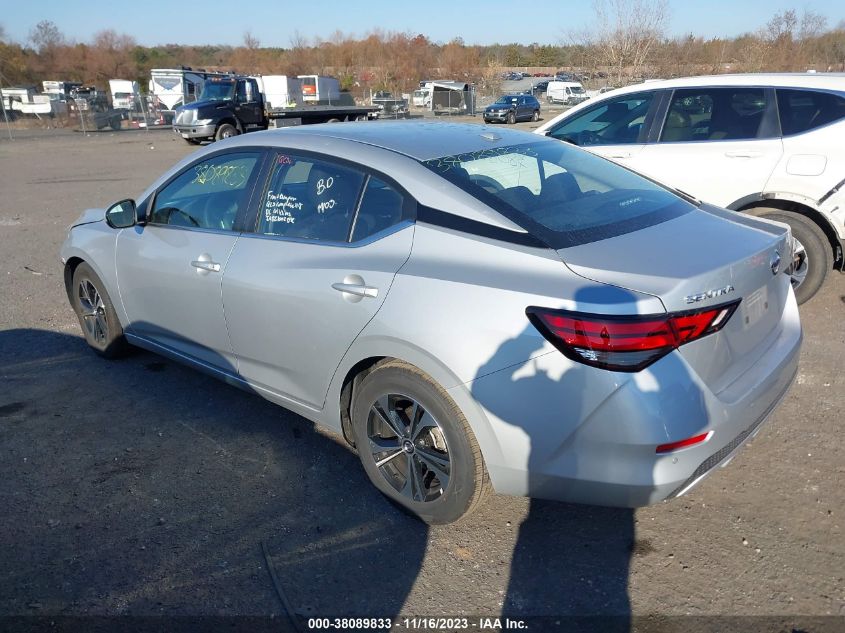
x: 559, y: 193
x: 218, y: 91
x: 577, y: 90
x: 505, y: 101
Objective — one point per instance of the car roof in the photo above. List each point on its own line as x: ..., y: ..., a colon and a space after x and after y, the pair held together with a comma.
x: 418, y: 140
x: 828, y: 81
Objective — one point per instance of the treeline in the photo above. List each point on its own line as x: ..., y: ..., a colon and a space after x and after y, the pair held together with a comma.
x: 397, y: 61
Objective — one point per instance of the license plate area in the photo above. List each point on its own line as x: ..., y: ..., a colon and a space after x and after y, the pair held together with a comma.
x: 754, y: 307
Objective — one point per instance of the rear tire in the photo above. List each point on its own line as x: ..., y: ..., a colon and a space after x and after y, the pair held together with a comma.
x: 403, y: 420
x: 818, y: 253
x: 96, y: 314
x: 227, y: 130
x: 536, y: 116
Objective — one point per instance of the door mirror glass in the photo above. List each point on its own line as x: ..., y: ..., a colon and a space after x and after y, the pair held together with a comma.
x: 121, y: 215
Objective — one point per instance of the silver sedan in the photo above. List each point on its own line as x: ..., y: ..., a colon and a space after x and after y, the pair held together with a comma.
x: 469, y: 308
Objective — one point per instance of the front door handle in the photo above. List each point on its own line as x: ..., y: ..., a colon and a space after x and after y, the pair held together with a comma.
x: 620, y: 155
x: 205, y: 265
x: 359, y: 290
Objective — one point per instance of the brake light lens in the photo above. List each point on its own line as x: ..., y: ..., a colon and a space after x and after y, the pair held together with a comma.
x: 625, y: 343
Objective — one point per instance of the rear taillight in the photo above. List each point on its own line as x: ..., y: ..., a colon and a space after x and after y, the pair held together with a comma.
x: 625, y: 343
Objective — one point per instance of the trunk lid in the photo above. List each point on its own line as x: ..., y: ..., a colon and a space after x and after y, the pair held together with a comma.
x: 702, y: 259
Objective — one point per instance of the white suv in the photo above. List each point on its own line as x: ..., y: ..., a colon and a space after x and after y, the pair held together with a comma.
x: 771, y: 145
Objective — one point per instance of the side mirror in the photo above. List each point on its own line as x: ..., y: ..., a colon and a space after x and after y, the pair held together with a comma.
x: 121, y: 215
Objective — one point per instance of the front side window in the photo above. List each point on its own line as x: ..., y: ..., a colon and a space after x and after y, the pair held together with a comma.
x: 311, y: 199
x: 613, y: 122
x: 803, y: 110
x: 714, y: 114
x: 560, y: 194
x: 207, y: 195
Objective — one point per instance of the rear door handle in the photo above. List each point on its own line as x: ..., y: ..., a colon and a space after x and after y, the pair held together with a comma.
x: 359, y: 290
x: 747, y: 153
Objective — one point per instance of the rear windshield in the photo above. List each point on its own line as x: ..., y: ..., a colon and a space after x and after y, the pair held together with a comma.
x: 561, y: 194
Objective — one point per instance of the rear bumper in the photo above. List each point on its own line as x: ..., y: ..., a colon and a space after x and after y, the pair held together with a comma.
x: 590, y: 435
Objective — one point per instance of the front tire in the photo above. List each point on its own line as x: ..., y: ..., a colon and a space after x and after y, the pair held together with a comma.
x: 415, y: 444
x: 812, y: 247
x: 511, y: 118
x: 536, y: 116
x: 96, y: 314
x: 227, y: 130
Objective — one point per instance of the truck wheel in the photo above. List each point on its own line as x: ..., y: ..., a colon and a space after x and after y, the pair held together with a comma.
x: 227, y: 130
x: 815, y: 257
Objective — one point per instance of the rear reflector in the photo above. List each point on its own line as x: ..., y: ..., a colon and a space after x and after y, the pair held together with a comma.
x: 625, y: 343
x: 690, y: 441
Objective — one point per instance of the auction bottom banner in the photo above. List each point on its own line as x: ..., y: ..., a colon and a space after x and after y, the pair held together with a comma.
x: 429, y: 624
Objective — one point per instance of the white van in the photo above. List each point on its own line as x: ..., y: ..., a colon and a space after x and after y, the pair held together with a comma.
x: 565, y: 92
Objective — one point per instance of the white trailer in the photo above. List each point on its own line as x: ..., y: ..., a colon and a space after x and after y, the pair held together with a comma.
x: 280, y: 91
x: 172, y: 87
x: 318, y: 88
x: 59, y: 88
x: 28, y: 101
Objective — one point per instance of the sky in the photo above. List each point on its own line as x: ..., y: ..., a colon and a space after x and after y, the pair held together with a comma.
x: 153, y: 22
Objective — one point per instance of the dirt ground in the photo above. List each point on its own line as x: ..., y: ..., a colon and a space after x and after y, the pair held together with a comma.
x: 142, y: 488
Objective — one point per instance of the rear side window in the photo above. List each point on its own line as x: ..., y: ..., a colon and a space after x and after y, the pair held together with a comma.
x: 560, y: 194
x: 613, y: 122
x: 803, y: 110
x: 714, y: 114
x: 380, y: 208
x: 311, y: 199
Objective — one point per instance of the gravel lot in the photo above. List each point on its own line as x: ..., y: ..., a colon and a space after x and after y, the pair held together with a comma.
x: 140, y: 487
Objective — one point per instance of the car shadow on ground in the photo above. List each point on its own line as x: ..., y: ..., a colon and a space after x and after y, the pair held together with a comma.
x: 141, y: 487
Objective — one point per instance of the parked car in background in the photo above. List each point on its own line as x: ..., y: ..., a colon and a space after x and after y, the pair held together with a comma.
x: 540, y: 87
x: 765, y: 144
x: 466, y: 309
x: 513, y: 108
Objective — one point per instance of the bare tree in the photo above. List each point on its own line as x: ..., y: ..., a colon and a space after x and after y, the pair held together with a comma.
x: 110, y: 55
x: 46, y: 37
x: 625, y: 33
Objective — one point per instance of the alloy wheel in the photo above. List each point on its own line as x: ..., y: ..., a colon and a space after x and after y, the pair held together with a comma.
x: 93, y: 311
x: 408, y: 447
